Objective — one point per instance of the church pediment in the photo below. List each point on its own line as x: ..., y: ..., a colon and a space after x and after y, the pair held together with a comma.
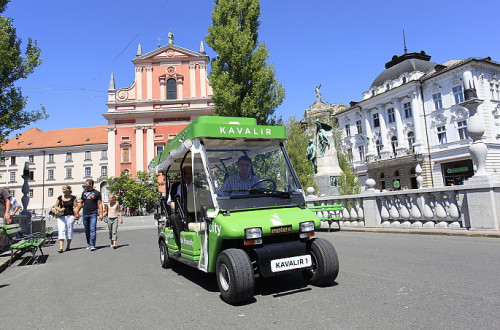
x: 168, y: 52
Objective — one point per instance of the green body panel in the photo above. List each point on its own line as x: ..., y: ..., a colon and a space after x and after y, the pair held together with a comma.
x: 222, y: 127
x: 233, y: 226
x: 170, y: 239
x: 190, y: 246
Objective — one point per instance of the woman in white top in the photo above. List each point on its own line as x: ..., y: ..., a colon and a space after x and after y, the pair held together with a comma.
x: 113, y: 211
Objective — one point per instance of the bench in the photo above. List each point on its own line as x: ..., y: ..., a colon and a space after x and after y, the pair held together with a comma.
x: 32, y: 242
x: 49, y: 232
x: 330, y: 213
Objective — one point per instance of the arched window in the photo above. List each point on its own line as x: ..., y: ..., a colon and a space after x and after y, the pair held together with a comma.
x: 171, y: 89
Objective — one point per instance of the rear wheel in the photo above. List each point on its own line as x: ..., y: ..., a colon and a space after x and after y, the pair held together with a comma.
x: 166, y: 261
x: 235, y: 276
x: 325, y: 263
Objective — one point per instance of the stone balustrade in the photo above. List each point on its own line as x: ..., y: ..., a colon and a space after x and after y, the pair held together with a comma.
x: 473, y: 207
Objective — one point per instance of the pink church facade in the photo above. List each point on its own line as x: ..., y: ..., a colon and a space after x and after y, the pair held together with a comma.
x: 170, y: 90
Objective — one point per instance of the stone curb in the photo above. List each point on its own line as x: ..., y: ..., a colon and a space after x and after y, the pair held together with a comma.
x: 4, y: 260
x: 467, y: 233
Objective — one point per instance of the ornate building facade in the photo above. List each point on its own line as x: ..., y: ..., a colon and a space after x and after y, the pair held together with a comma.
x: 170, y: 90
x: 412, y: 121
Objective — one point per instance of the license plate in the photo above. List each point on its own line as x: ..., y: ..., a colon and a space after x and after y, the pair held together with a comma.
x: 279, y: 265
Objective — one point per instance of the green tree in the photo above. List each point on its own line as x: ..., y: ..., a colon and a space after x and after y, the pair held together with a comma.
x: 296, y: 149
x: 242, y: 82
x: 136, y: 193
x: 13, y: 66
x: 348, y: 183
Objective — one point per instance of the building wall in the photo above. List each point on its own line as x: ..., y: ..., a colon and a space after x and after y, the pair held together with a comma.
x: 146, y: 115
x: 45, y: 189
x: 427, y: 123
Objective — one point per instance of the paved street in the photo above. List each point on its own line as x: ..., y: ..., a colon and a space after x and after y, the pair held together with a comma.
x: 386, y: 281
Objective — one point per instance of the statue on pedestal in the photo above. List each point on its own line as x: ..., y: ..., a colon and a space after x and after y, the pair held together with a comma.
x: 323, y: 143
x: 311, y: 155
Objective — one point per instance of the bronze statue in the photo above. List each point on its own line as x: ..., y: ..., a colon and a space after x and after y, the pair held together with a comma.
x: 311, y: 155
x: 323, y: 143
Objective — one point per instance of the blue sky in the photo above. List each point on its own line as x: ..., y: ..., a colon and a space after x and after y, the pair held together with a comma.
x: 342, y: 45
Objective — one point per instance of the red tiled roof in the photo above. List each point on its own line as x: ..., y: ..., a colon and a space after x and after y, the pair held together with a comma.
x: 35, y: 138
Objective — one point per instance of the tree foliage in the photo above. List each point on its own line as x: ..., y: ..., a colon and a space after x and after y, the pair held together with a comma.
x: 13, y: 66
x: 242, y: 82
x: 296, y: 149
x: 136, y: 193
x: 348, y: 183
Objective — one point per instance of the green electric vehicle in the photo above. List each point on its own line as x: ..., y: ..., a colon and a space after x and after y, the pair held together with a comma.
x: 243, y: 231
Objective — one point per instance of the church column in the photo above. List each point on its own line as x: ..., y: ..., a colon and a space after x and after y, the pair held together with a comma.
x: 112, y: 152
x: 163, y: 88
x: 139, y: 150
x: 149, y: 82
x: 150, y: 143
x: 138, y: 81
x: 203, y: 78
x: 402, y: 141
x: 192, y: 79
x: 180, y: 85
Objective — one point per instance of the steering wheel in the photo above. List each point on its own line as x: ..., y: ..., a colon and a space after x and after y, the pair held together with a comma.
x: 265, y: 180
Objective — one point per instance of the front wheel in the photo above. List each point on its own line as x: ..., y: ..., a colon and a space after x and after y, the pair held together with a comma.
x: 235, y: 276
x: 325, y: 263
x: 166, y: 261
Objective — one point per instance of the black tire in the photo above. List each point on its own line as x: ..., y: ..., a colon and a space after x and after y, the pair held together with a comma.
x: 234, y: 274
x: 325, y: 263
x: 166, y: 261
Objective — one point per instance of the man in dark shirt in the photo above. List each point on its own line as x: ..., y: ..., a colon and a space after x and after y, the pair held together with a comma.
x: 91, y: 202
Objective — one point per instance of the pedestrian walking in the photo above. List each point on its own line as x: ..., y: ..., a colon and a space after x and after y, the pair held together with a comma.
x: 91, y: 202
x: 67, y: 205
x: 113, y: 211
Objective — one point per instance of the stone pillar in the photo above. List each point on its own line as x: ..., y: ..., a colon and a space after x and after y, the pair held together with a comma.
x: 139, y: 150
x: 402, y: 141
x: 370, y: 206
x: 180, y: 85
x: 149, y: 82
x: 150, y: 144
x: 203, y: 80
x: 415, y: 107
x: 163, y: 88
x: 26, y: 228
x: 386, y: 150
x: 138, y: 82
x: 112, y: 152
x: 192, y: 79
x: 370, y: 151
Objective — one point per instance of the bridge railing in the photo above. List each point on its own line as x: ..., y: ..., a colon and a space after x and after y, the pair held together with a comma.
x: 474, y: 207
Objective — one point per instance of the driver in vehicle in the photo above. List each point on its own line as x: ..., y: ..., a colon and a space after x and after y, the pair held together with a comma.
x: 240, y: 183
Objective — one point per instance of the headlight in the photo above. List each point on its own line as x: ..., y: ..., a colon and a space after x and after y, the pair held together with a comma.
x: 253, y: 236
x: 253, y: 233
x: 306, y: 226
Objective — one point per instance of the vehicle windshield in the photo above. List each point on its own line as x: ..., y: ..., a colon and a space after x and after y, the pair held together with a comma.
x: 250, y: 168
